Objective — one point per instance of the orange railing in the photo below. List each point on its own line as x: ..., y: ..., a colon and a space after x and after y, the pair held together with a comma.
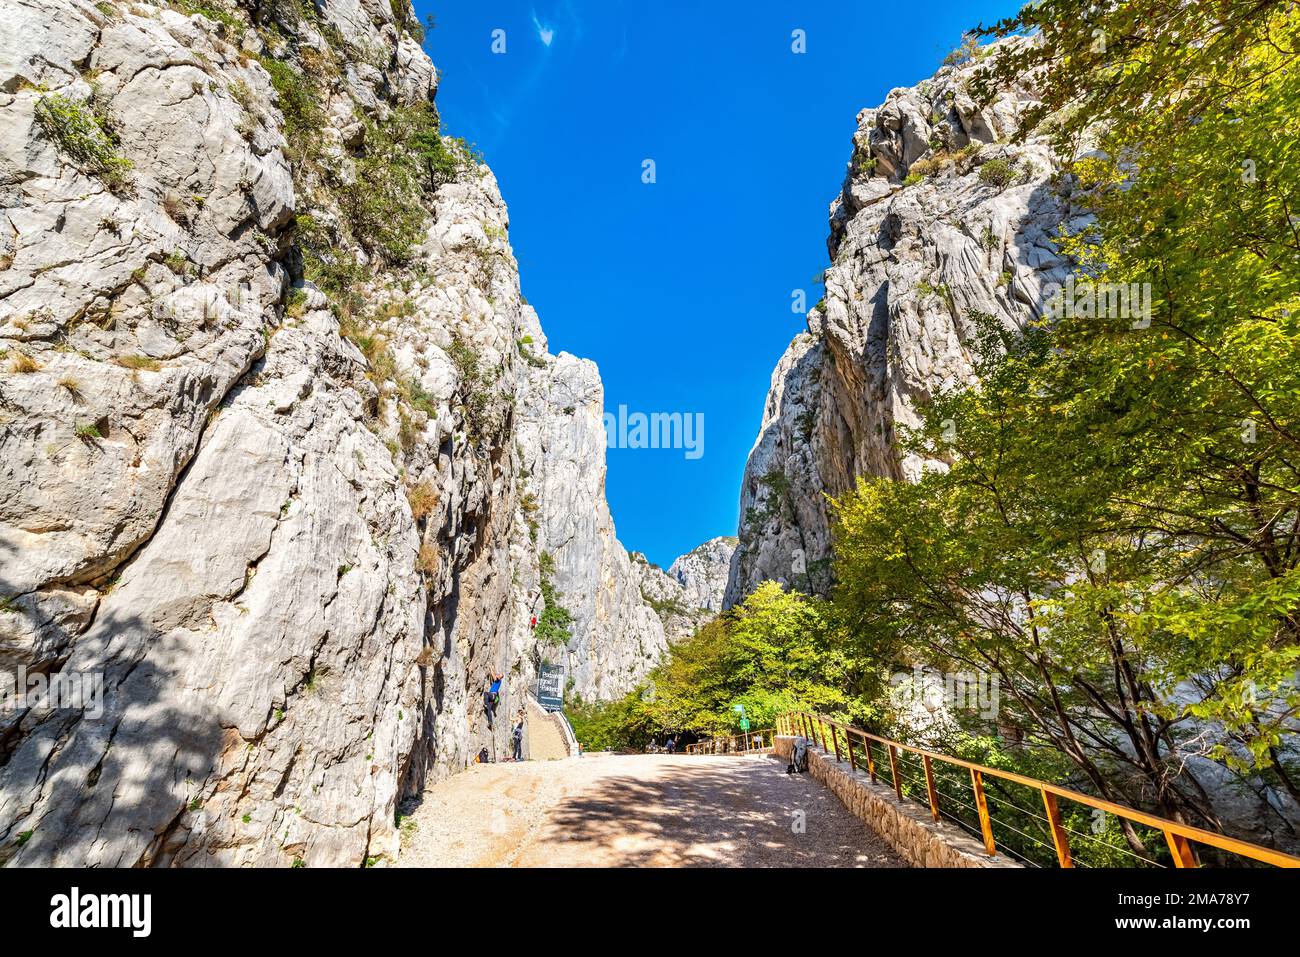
x: 751, y: 742
x: 1179, y: 837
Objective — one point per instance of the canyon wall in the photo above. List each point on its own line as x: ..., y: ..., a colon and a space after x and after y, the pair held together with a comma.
x: 939, y: 218
x: 281, y: 446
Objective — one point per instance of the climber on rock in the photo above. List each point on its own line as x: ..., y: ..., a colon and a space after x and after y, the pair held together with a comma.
x: 491, y: 697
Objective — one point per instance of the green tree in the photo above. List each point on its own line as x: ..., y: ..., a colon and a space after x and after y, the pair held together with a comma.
x: 555, y: 620
x: 775, y: 652
x: 1118, y: 530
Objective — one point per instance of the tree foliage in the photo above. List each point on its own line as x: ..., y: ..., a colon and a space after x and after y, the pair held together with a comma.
x: 1117, y: 532
x: 554, y: 623
x: 775, y: 652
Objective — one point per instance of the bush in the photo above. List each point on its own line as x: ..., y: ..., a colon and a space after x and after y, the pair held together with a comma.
x: 177, y: 262
x: 214, y: 12
x: 296, y: 304
x: 529, y: 505
x: 969, y: 49
x: 472, y: 389
x: 553, y: 624
x: 300, y: 104
x: 405, y: 159
x: 419, y: 398
x: 527, y: 354
x: 925, y: 167
x: 85, y: 134
x: 625, y: 724
x: 998, y: 172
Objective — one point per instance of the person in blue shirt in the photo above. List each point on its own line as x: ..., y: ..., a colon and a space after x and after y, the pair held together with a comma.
x: 490, y: 699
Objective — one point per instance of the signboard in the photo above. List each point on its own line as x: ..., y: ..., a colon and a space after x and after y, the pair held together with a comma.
x: 550, y: 687
x: 744, y: 724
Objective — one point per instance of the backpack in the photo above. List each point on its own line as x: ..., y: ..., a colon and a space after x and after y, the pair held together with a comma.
x: 798, y: 757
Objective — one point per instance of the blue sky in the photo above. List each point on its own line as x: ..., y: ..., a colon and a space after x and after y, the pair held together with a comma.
x: 680, y: 290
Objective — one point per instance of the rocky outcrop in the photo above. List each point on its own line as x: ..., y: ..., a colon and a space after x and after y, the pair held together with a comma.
x: 703, y: 571
x: 277, y: 462
x: 939, y: 221
x: 782, y: 518
x: 625, y: 610
x: 617, y: 637
x: 671, y: 600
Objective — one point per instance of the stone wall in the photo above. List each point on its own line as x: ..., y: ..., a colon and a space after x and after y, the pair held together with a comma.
x: 907, y: 827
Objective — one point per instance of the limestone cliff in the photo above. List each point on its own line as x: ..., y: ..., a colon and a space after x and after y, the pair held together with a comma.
x: 618, y: 636
x: 626, y: 611
x: 702, y: 572
x: 281, y: 447
x: 939, y: 218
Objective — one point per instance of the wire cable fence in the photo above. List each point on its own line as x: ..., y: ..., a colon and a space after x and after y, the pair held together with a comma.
x: 749, y: 742
x: 1068, y: 828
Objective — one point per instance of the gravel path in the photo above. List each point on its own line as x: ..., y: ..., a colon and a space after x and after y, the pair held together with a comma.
x: 608, y: 810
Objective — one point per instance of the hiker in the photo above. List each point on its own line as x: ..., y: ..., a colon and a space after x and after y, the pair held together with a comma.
x: 671, y: 746
x: 517, y: 735
x: 490, y: 699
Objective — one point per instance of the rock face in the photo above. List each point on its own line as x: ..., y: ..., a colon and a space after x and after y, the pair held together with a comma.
x: 290, y: 528
x: 703, y: 572
x: 617, y: 635
x: 937, y: 220
x: 625, y: 610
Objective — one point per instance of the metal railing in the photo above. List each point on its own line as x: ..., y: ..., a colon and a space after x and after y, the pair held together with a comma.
x: 1179, y: 837
x: 750, y: 742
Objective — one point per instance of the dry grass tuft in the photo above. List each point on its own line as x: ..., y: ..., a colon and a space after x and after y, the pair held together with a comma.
x: 423, y: 499
x: 139, y: 362
x: 22, y: 363
x: 429, y: 560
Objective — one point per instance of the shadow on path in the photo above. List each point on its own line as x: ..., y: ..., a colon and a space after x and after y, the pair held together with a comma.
x: 705, y: 811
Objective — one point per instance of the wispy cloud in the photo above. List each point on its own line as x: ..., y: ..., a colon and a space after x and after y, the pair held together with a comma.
x: 501, y: 103
x: 544, y: 33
